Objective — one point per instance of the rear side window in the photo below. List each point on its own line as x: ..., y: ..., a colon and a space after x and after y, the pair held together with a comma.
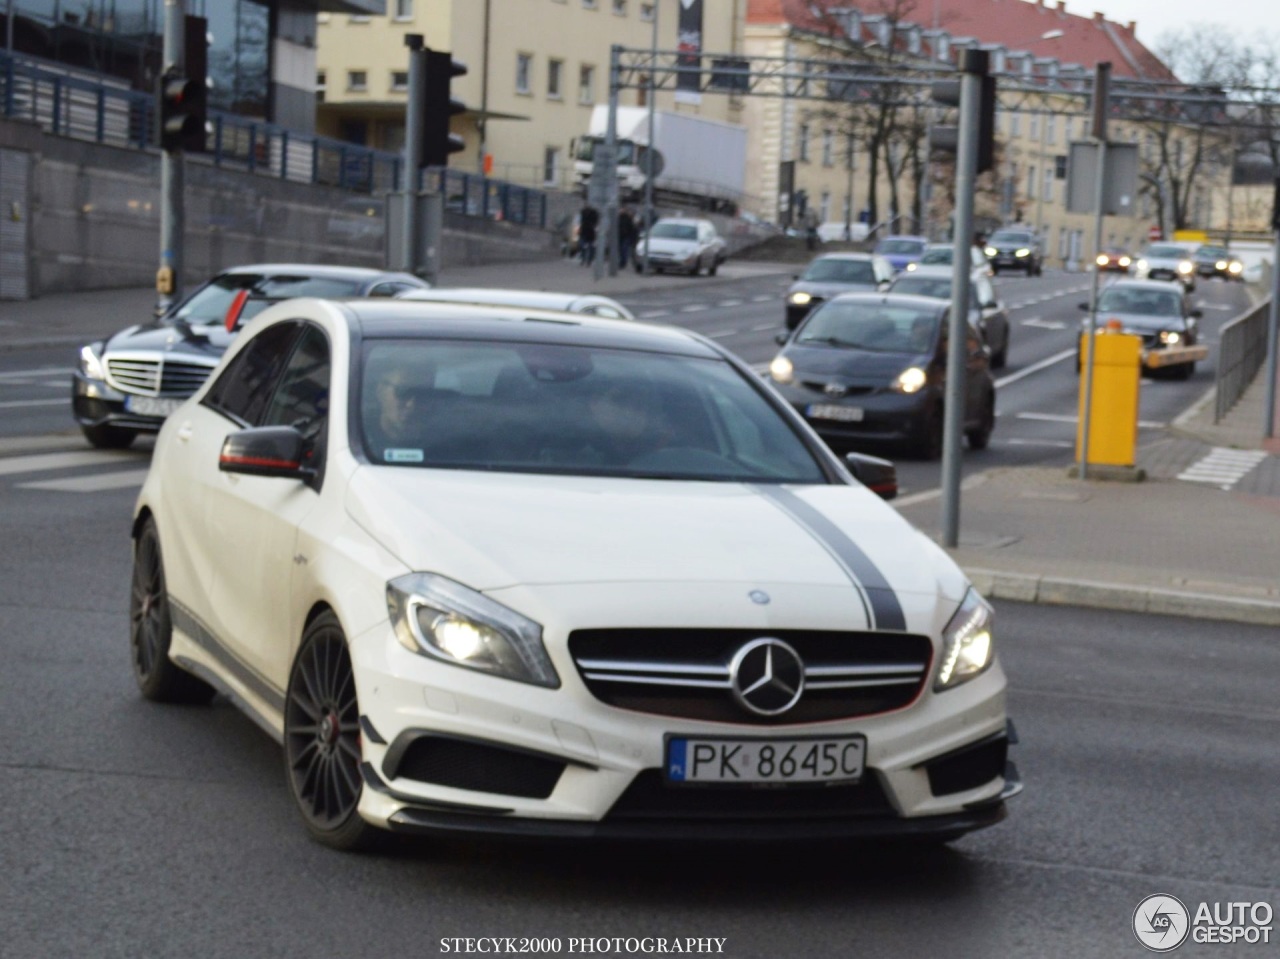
x: 246, y: 384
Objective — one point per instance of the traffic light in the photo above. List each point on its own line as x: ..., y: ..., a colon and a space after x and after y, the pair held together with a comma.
x: 947, y: 138
x: 182, y: 112
x: 438, y: 106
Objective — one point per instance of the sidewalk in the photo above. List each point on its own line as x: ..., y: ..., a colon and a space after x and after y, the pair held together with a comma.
x: 1201, y: 537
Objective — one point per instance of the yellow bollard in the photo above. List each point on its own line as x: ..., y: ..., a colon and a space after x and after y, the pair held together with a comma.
x: 1113, y: 415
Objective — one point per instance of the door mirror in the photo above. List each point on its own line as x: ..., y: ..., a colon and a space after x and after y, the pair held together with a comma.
x: 278, y: 451
x: 781, y: 338
x: 876, y: 474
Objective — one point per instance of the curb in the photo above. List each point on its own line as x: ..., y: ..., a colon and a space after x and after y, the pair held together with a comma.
x: 1031, y: 588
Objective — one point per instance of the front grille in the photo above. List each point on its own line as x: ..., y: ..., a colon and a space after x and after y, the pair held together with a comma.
x: 649, y: 797
x: 157, y: 377
x: 685, y: 672
x: 821, y: 386
x: 477, y: 766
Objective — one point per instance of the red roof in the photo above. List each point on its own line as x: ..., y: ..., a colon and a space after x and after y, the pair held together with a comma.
x: 1016, y: 24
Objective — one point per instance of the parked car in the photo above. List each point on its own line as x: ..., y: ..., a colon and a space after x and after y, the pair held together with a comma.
x: 128, y: 383
x: 871, y: 367
x: 986, y: 312
x: 686, y: 246
x: 1168, y: 261
x: 484, y: 573
x: 1217, y: 261
x: 1113, y: 259
x: 1015, y: 248
x: 835, y: 231
x: 944, y: 254
x: 901, y: 251
x: 592, y: 303
x: 1158, y: 311
x: 832, y: 274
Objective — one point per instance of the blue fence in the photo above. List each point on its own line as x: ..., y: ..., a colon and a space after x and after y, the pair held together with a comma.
x: 69, y: 103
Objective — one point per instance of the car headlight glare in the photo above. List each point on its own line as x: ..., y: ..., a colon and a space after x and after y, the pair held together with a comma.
x: 967, y: 648
x: 911, y: 380
x: 912, y: 266
x: 91, y: 362
x: 1220, y: 265
x: 437, y: 617
x: 1142, y: 264
x: 1170, y: 337
x: 1023, y: 252
x: 1235, y: 267
x: 1124, y: 261
x: 781, y: 369
x: 800, y: 298
x: 1103, y: 259
x: 990, y: 251
x: 1185, y: 267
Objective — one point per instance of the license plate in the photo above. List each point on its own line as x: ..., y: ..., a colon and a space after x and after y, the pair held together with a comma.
x: 151, y: 406
x: 831, y: 411
x: 785, y: 761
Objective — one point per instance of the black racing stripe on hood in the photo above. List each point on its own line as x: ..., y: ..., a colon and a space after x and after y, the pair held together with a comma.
x: 885, y: 611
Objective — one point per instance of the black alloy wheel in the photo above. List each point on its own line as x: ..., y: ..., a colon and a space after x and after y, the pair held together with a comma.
x: 151, y: 630
x: 322, y: 738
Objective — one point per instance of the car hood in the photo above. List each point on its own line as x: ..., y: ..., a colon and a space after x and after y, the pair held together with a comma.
x: 826, y: 290
x: 495, y: 531
x: 1004, y: 247
x: 201, y: 342
x: 1143, y: 322
x: 1165, y: 261
x: 670, y: 246
x: 852, y: 367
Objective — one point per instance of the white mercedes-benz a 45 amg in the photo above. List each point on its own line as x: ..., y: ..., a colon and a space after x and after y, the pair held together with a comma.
x: 501, y: 571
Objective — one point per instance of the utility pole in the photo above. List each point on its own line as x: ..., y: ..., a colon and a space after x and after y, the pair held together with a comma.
x: 172, y: 217
x: 409, y: 258
x: 1101, y: 84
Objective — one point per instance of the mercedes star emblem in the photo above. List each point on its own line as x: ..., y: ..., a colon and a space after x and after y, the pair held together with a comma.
x: 835, y: 389
x: 767, y: 676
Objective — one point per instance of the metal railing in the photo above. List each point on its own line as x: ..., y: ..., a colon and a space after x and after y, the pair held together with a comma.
x: 1242, y: 347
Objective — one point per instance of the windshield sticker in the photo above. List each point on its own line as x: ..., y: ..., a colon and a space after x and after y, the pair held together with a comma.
x: 402, y: 456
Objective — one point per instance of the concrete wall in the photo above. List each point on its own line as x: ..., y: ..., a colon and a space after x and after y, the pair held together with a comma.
x: 94, y: 219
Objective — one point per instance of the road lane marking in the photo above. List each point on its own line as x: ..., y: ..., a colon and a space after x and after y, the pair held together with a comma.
x: 91, y: 484
x: 761, y: 299
x: 1044, y: 324
x: 1223, y: 467
x: 1065, y: 418
x: 650, y: 314
x: 13, y: 404
x: 720, y: 334
x: 765, y: 326
x: 41, y: 373
x: 41, y: 462
x: 727, y: 303
x: 1016, y: 441
x: 1034, y: 368
x: 694, y: 308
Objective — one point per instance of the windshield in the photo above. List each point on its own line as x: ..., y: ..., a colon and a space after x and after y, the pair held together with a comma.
x: 570, y: 410
x: 1012, y: 238
x: 209, y: 304
x: 1165, y: 252
x: 934, y: 287
x: 939, y: 255
x: 675, y: 231
x: 840, y: 271
x: 900, y: 246
x: 1141, y: 302
x: 586, y: 150
x: 874, y: 326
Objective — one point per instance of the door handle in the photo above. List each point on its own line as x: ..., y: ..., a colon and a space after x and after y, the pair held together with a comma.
x: 184, y: 432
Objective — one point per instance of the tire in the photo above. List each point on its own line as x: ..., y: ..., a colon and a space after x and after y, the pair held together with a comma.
x: 697, y: 268
x: 151, y: 629
x: 927, y: 444
x: 322, y: 739
x: 639, y: 267
x: 1183, y: 371
x: 104, y: 437
x: 980, y: 438
x: 998, y: 360
x: 711, y: 270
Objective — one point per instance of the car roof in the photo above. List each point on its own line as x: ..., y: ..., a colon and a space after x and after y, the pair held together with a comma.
x: 894, y: 299
x: 317, y: 269
x: 905, y: 236
x: 1162, y: 285
x: 532, y: 299
x: 848, y: 255
x: 399, y: 318
x: 691, y: 221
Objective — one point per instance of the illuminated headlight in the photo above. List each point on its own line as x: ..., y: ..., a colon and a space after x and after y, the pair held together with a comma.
x: 1103, y: 259
x: 1124, y: 261
x: 1186, y: 266
x: 966, y: 643
x: 1142, y: 265
x: 781, y: 369
x: 800, y: 298
x: 437, y: 617
x: 911, y: 380
x: 1235, y: 266
x: 1170, y: 337
x: 1023, y: 252
x: 912, y: 266
x: 1220, y: 265
x: 91, y: 362
x: 991, y: 251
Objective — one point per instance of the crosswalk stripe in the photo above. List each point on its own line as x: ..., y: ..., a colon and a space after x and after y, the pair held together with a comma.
x: 90, y: 484
x: 12, y: 404
x: 41, y: 462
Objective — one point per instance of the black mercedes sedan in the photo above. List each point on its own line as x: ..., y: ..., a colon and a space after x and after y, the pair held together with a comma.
x: 128, y: 383
x: 871, y: 367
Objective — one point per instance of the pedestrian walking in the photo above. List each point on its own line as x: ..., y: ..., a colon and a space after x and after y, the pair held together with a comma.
x: 588, y: 222
x: 628, y: 233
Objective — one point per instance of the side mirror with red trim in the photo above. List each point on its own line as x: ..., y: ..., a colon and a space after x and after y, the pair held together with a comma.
x: 876, y: 474
x: 232, y: 318
x: 278, y: 451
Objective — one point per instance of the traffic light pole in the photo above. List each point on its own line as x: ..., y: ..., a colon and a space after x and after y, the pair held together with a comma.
x: 1101, y: 84
x: 413, y: 117
x: 974, y: 66
x: 172, y: 218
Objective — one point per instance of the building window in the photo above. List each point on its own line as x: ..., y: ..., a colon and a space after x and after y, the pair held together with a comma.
x: 555, y: 71
x: 1051, y: 129
x: 824, y: 207
x: 589, y: 4
x: 851, y: 153
x: 524, y: 67
x: 321, y: 80
x: 358, y: 18
x: 586, y: 84
x: 399, y: 81
x: 1015, y: 124
x: 403, y: 10
x: 551, y: 166
x: 646, y: 12
x: 619, y: 8
x: 357, y: 80
x: 828, y: 144
x: 1033, y: 126
x: 1031, y: 182
x: 1047, y: 192
x: 804, y: 142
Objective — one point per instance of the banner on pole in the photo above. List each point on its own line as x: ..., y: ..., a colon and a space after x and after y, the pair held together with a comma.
x: 689, y: 59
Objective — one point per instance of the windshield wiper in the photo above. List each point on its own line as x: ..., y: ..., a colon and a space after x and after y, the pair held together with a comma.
x: 829, y: 341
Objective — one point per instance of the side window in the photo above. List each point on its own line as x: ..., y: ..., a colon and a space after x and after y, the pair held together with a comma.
x: 244, y: 387
x: 387, y: 289
x: 302, y: 397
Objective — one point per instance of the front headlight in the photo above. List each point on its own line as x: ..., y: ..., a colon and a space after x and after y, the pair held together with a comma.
x: 911, y: 380
x: 990, y: 251
x: 437, y: 617
x: 1103, y: 260
x: 967, y: 649
x: 1170, y: 337
x: 1124, y: 261
x: 91, y: 362
x: 1235, y: 266
x: 1142, y: 265
x: 1185, y: 267
x: 1220, y: 265
x: 1023, y: 252
x: 912, y: 266
x: 800, y: 298
x: 781, y: 369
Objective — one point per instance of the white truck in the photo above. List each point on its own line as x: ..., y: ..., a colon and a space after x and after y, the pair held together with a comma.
x: 696, y: 158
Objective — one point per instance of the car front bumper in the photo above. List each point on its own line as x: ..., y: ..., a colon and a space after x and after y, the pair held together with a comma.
x: 97, y: 403
x: 886, y: 416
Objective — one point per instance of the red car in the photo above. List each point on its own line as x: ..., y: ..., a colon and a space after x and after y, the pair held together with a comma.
x: 1114, y: 260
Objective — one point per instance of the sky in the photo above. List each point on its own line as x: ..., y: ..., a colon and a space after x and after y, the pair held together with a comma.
x: 1251, y: 21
